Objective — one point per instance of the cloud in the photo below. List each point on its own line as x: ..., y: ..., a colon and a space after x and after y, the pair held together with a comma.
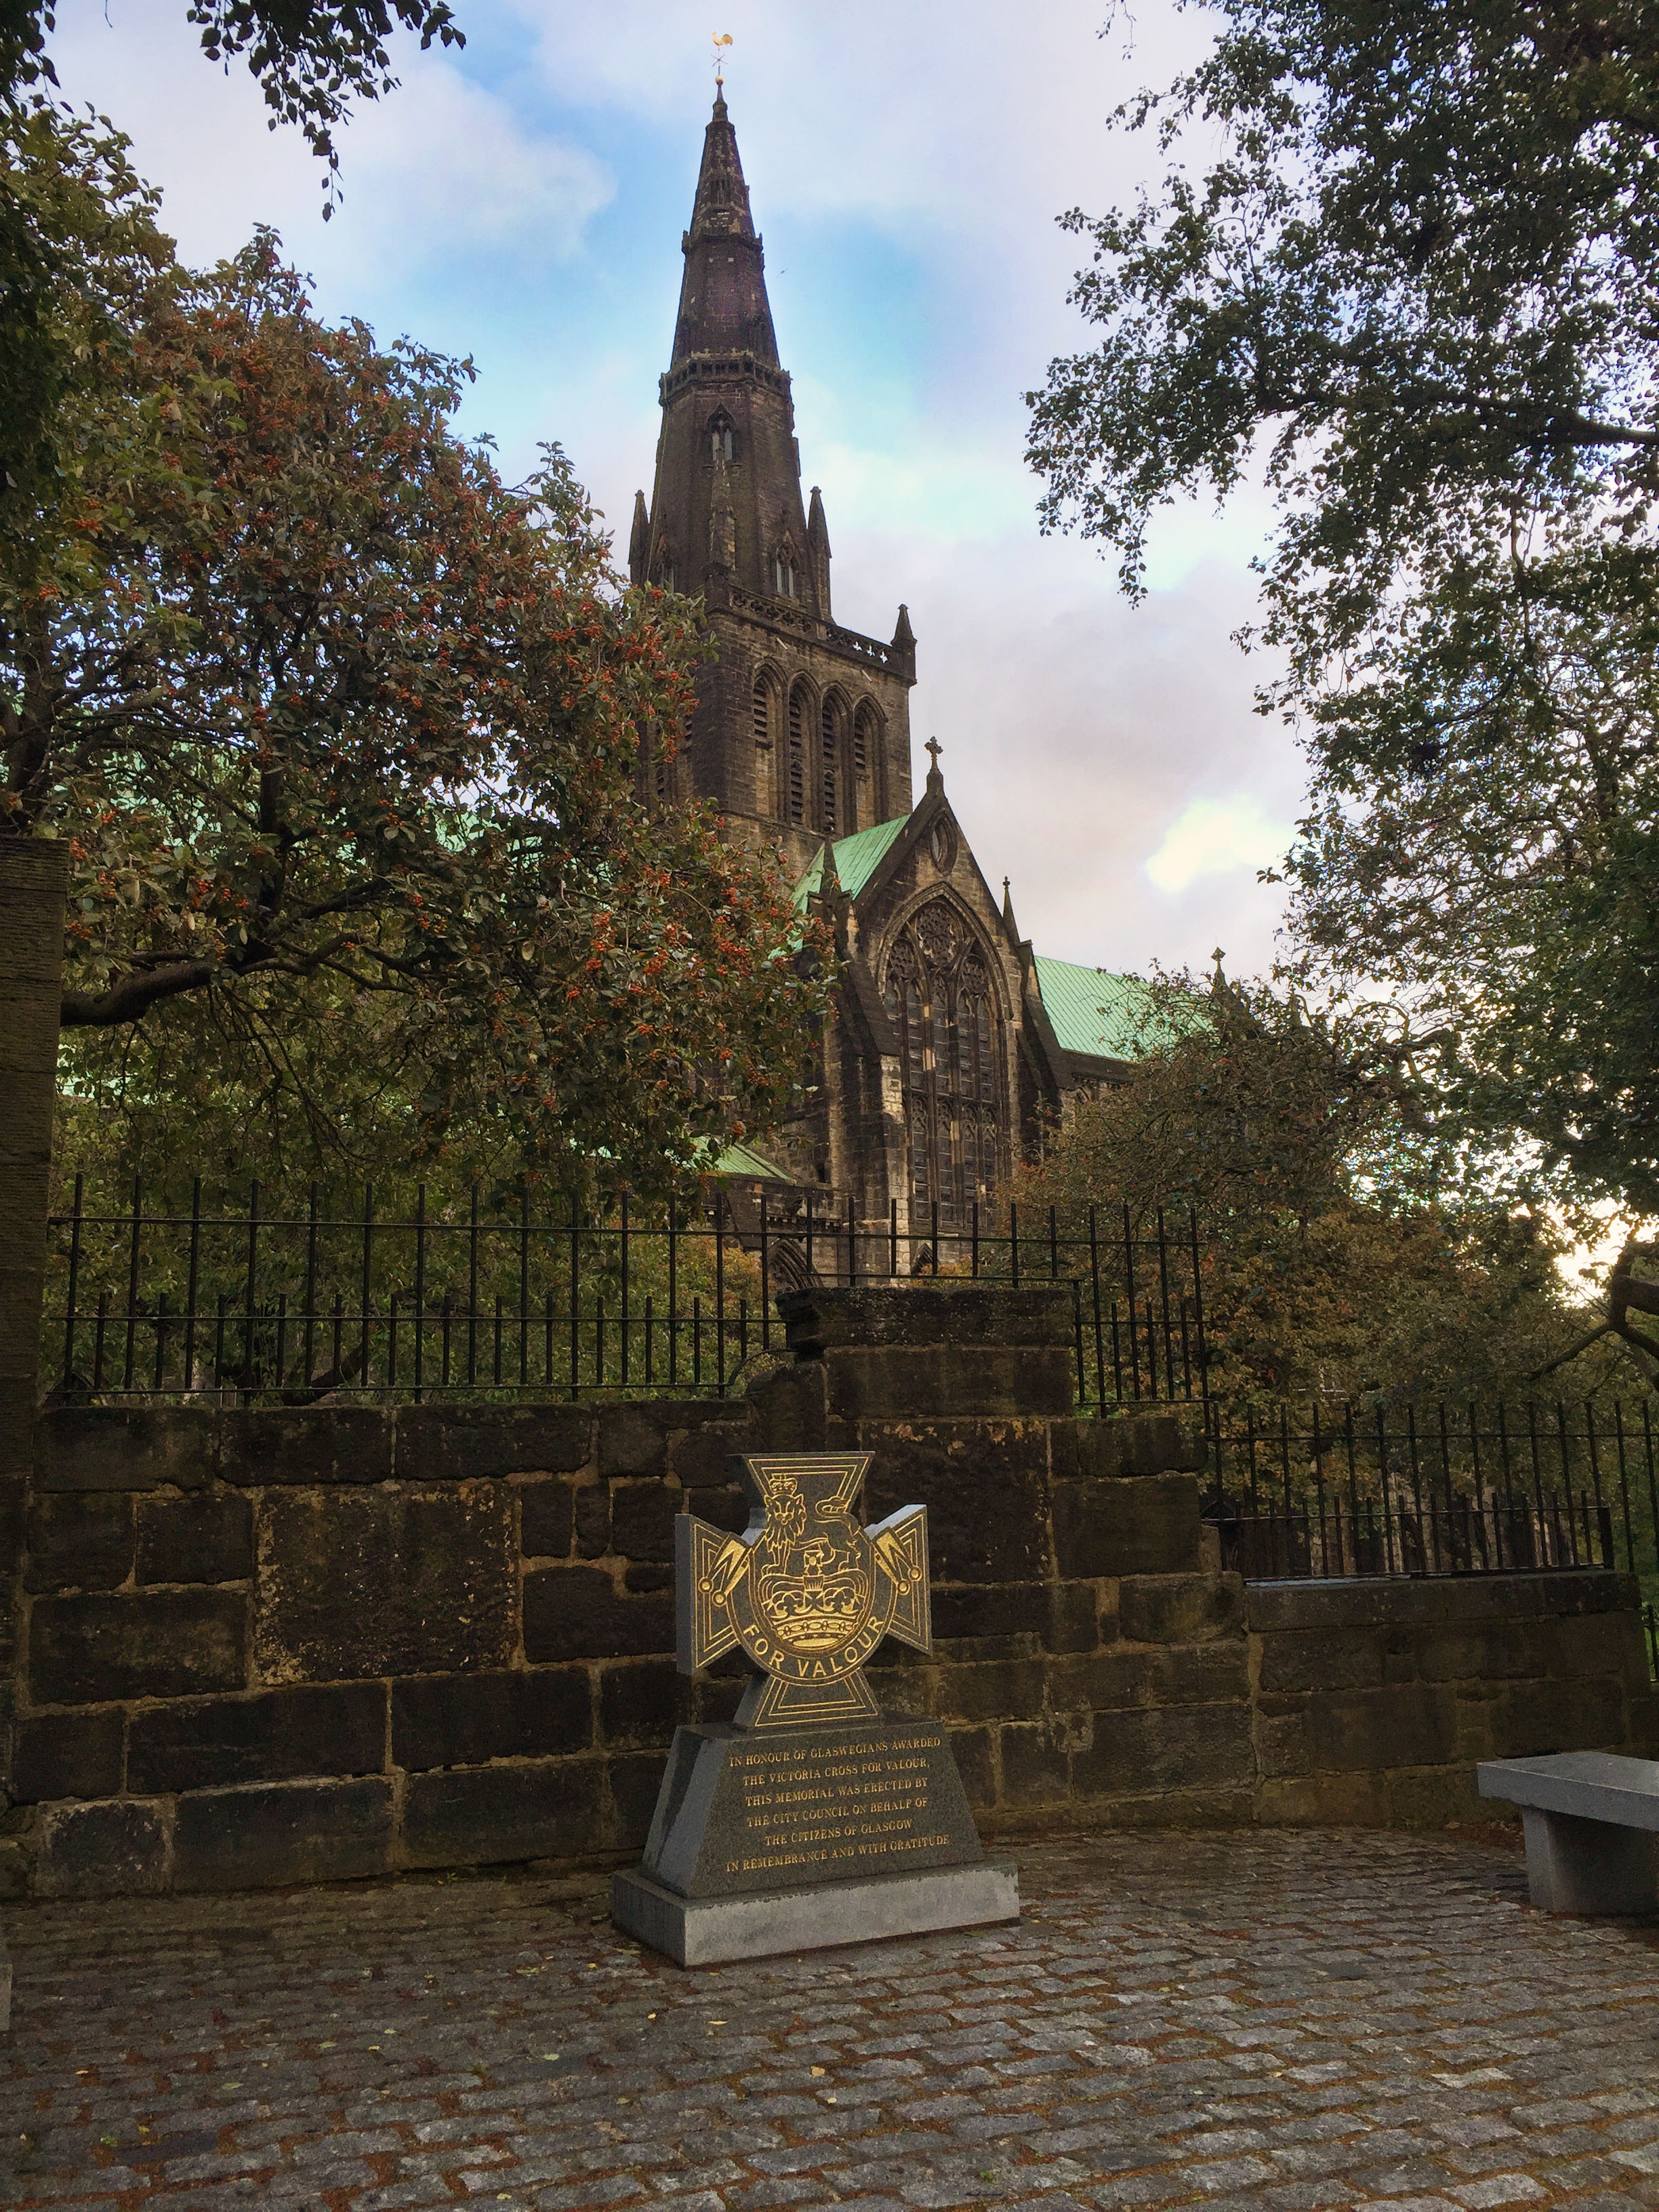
x: 951, y: 110
x: 1076, y: 727
x: 1216, y: 837
x: 442, y: 172
x: 499, y: 185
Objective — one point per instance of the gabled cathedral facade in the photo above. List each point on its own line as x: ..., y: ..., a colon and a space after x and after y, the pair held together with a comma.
x: 952, y: 1043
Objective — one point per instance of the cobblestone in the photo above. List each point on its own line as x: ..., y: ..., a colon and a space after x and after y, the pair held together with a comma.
x: 1286, y: 2022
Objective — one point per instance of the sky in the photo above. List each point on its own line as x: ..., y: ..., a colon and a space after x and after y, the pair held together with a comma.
x: 522, y: 203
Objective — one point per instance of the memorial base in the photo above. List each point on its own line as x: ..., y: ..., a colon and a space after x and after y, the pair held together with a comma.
x: 706, y: 1931
x: 793, y: 1839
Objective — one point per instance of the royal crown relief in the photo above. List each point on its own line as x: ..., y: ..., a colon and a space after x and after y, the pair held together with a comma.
x: 804, y: 1591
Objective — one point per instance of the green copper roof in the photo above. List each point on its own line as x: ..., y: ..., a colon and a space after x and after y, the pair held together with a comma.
x: 738, y: 1160
x: 1092, y: 1010
x: 857, y: 859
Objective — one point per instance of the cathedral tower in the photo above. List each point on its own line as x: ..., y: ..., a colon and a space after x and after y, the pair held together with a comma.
x: 802, y: 728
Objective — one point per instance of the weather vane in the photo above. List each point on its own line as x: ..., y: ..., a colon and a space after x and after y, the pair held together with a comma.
x: 722, y: 40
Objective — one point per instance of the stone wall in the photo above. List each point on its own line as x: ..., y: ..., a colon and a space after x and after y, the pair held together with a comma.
x: 1374, y: 1700
x: 263, y: 1647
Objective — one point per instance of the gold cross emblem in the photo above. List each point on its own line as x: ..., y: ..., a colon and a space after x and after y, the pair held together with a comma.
x: 805, y: 1591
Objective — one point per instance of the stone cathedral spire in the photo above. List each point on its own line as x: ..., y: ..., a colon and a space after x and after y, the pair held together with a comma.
x: 728, y: 471
x: 723, y: 303
x: 802, y: 727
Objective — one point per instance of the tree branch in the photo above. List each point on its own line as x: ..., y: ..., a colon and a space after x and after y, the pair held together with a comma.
x: 133, y: 995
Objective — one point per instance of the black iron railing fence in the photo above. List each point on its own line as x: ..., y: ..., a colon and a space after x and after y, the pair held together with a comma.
x: 265, y: 1301
x: 1435, y: 1490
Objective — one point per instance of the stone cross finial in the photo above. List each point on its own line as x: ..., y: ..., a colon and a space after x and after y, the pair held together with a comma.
x: 934, y: 749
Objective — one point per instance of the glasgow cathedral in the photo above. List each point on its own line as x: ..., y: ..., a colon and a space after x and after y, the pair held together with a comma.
x: 952, y: 1043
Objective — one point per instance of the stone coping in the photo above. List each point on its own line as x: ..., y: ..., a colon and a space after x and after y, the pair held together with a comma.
x: 1359, y: 1600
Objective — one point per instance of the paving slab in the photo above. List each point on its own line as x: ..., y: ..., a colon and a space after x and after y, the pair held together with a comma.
x: 1263, y: 2020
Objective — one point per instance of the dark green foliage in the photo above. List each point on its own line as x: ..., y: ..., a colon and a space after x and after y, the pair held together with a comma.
x: 1415, y: 285
x: 1341, y: 1258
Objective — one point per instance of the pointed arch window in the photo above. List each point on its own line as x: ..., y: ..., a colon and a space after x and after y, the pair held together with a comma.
x: 832, y: 817
x: 786, y: 571
x: 763, y: 709
x: 721, y: 442
x: 938, y: 997
x: 866, y: 751
x: 800, y: 721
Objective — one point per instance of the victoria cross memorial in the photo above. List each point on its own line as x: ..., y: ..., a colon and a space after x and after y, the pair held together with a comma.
x: 811, y: 1820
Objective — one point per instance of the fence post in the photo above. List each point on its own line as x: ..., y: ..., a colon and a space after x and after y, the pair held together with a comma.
x: 34, y: 878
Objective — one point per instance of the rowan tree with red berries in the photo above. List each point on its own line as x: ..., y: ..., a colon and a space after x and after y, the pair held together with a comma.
x: 343, y: 731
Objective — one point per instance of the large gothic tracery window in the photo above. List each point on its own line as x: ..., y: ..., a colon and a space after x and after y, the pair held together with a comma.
x: 938, y: 997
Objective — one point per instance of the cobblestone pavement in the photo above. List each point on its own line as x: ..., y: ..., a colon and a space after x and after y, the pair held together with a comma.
x: 1262, y: 2019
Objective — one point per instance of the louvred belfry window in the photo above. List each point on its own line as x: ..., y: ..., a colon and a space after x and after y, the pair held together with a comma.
x: 763, y: 712
x: 829, y: 819
x: 795, y: 797
x: 938, y: 997
x: 861, y: 745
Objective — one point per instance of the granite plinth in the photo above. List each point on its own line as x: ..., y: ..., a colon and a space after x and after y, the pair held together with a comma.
x: 1590, y: 1818
x: 743, y: 1810
x: 789, y: 1839
x: 710, y: 1930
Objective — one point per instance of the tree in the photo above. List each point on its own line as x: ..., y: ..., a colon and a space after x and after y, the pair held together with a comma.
x: 1416, y: 286
x: 343, y: 734
x: 311, y: 57
x: 79, y: 247
x: 1339, y: 1258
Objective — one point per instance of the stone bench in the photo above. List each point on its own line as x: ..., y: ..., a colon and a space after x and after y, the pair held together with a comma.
x: 1590, y: 1818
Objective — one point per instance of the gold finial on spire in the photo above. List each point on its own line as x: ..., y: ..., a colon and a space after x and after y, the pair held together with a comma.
x: 721, y: 39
